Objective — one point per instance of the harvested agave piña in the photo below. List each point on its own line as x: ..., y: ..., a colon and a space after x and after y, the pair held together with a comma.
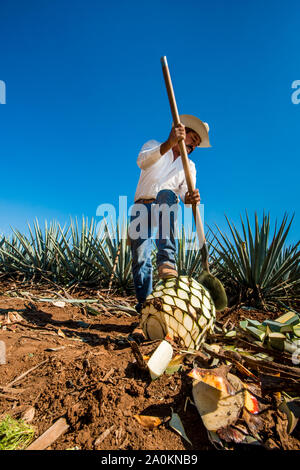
x: 180, y: 308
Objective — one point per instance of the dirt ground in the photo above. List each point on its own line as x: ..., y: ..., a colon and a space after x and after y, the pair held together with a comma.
x: 87, y: 373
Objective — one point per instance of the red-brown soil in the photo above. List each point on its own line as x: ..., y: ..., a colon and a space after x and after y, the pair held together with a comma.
x: 90, y: 378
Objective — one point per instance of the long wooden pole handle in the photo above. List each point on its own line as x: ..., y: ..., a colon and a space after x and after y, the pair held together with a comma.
x: 176, y: 119
x: 185, y: 162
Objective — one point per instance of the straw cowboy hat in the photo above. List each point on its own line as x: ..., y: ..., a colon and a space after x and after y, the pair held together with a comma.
x: 198, y: 126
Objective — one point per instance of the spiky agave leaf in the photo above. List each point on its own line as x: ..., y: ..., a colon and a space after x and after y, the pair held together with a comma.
x: 13, y: 256
x: 185, y: 314
x: 75, y: 254
x: 189, y: 261
x: 188, y: 255
x: 31, y: 255
x: 110, y: 251
x: 255, y: 263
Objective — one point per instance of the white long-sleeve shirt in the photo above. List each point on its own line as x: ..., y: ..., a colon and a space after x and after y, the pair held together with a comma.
x: 160, y: 172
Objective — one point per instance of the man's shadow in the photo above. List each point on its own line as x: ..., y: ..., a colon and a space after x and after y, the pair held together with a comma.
x: 73, y: 328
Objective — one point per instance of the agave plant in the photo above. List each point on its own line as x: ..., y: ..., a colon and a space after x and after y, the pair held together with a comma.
x: 260, y: 269
x: 253, y: 265
x: 32, y: 255
x: 7, y: 251
x: 111, y: 256
x: 188, y: 257
x: 292, y: 275
x: 75, y: 253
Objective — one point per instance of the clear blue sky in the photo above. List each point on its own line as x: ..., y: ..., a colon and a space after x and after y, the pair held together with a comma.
x: 85, y: 91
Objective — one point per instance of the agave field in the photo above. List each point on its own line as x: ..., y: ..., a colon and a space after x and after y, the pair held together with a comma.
x: 74, y: 352
x: 254, y: 264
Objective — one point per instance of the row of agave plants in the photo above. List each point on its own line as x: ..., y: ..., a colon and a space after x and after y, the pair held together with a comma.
x: 254, y: 266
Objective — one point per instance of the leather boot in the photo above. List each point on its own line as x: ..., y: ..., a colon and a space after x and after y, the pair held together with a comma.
x: 166, y: 271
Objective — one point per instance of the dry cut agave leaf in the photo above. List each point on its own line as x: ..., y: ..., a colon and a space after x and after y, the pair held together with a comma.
x: 55, y: 349
x: 291, y: 407
x: 175, y: 364
x: 176, y: 424
x: 218, y: 396
x: 230, y: 433
x: 251, y: 403
x: 59, y: 303
x: 149, y: 422
x: 14, y: 317
x: 215, y: 378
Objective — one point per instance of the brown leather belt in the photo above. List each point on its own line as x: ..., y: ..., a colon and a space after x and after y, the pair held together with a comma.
x: 144, y: 201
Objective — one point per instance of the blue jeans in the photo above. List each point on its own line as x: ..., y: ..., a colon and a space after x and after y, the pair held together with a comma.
x: 141, y: 247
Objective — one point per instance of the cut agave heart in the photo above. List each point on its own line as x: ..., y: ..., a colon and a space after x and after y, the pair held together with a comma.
x: 181, y: 308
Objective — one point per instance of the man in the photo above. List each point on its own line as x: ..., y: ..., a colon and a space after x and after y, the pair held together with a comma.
x: 161, y: 181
